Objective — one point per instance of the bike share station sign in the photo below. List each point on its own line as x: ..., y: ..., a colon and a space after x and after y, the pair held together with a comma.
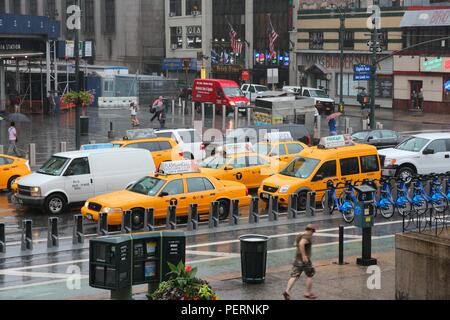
x: 363, y: 72
x: 117, y: 263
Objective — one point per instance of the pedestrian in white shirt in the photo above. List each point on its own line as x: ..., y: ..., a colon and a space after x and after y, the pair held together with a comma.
x: 12, y: 137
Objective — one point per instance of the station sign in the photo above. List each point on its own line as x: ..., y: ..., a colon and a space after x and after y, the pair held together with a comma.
x: 238, y: 148
x: 179, y: 167
x: 279, y: 136
x: 97, y: 146
x: 362, y: 68
x: 336, y: 141
x: 140, y: 134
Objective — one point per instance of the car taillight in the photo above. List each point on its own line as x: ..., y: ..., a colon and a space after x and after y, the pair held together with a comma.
x: 181, y: 153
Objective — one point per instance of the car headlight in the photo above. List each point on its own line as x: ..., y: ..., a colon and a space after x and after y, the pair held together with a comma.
x: 35, y: 192
x: 284, y: 189
x: 112, y: 210
x: 390, y: 162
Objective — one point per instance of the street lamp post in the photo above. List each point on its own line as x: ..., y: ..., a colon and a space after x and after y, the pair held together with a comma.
x: 341, y: 57
x: 77, y: 87
x: 373, y: 74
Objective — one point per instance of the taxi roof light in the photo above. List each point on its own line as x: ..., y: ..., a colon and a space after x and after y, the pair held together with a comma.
x: 339, y: 141
x: 279, y: 136
x: 178, y: 167
x: 137, y: 134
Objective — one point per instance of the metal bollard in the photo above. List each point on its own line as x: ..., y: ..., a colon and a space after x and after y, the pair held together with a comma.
x: 234, y: 213
x: 213, y: 215
x: 380, y: 126
x: 253, y: 217
x: 102, y: 225
x: 171, y: 219
x: 111, y: 131
x: 32, y: 154
x: 78, y: 232
x: 317, y: 133
x: 2, y: 238
x: 311, y: 203
x: 63, y: 147
x: 179, y: 102
x: 347, y: 124
x: 326, y: 209
x: 273, y: 209
x: 249, y: 116
x: 193, y: 113
x: 203, y: 115
x: 2, y: 149
x: 213, y: 116
x: 292, y: 206
x: 236, y: 117
x: 173, y: 113
x: 149, y: 219
x: 52, y: 233
x: 182, y: 111
x: 27, y: 235
x: 192, y: 217
x: 365, y: 124
x: 341, y: 245
x: 224, y: 117
x: 126, y: 222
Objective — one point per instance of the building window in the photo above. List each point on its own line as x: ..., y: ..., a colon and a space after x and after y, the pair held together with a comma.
x: 2, y: 6
x: 193, y: 7
x: 349, y: 85
x: 89, y: 17
x: 349, y: 40
x: 316, y: 40
x: 176, y: 38
x: 194, y: 37
x: 110, y: 16
x: 50, y: 9
x: 414, y: 36
x: 15, y: 6
x: 32, y: 7
x: 175, y: 8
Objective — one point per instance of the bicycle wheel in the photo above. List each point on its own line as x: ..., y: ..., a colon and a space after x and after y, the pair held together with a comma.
x: 404, y: 209
x: 348, y: 213
x: 440, y: 205
x: 387, y: 210
x: 331, y: 205
x: 420, y: 207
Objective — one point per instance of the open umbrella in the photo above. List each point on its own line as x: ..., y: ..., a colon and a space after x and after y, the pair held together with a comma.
x: 18, y: 117
x: 334, y: 116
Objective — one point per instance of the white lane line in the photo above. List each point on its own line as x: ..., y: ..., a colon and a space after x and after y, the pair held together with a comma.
x: 48, y: 265
x: 32, y: 285
x: 212, y: 254
x: 37, y: 274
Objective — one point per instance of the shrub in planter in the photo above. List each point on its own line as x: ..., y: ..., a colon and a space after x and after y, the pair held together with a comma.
x: 183, y: 285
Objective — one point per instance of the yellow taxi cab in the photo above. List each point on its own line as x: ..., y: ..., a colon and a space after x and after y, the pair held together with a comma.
x: 238, y: 162
x: 336, y: 159
x: 12, y: 168
x: 280, y: 146
x: 178, y: 183
x: 162, y: 149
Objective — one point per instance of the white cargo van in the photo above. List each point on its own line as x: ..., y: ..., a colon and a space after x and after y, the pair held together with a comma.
x: 74, y: 177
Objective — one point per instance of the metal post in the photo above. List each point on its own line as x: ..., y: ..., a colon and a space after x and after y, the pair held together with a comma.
x: 327, y: 209
x: 249, y: 116
x: 179, y: 102
x: 254, y: 211
x: 173, y: 113
x: 193, y: 113
x: 213, y: 215
x: 203, y: 115
x: 234, y: 213
x: 183, y: 118
x: 2, y: 238
x: 347, y: 125
x: 111, y: 131
x: 149, y: 219
x: 374, y: 71
x: 126, y: 222
x: 365, y: 125
x: 318, y: 132
x: 78, y: 232
x: 102, y: 226
x: 236, y: 117
x: 292, y: 206
x: 224, y: 118
x: 63, y: 146
x: 366, y: 259
x: 311, y: 203
x: 192, y: 217
x: 213, y: 116
x: 32, y: 154
x: 171, y: 219
x: 273, y: 208
x: 77, y: 87
x: 52, y: 232
x: 27, y: 235
x: 341, y: 245
x: 341, y: 57
x: 2, y: 149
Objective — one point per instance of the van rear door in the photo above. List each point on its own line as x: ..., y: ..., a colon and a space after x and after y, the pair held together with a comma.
x: 78, y: 180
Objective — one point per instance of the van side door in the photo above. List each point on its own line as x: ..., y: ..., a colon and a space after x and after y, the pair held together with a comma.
x: 350, y: 169
x: 327, y: 172
x: 78, y: 180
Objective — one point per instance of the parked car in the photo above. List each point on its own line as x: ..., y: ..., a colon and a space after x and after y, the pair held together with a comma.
x: 420, y: 154
x: 324, y: 104
x: 189, y: 141
x: 220, y: 93
x: 379, y: 138
x: 254, y: 91
x: 73, y: 177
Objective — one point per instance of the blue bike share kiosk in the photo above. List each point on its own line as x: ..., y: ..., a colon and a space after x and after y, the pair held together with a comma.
x: 365, y: 219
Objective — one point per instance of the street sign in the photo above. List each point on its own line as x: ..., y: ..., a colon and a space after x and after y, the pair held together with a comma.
x: 362, y: 68
x: 447, y: 85
x: 362, y: 77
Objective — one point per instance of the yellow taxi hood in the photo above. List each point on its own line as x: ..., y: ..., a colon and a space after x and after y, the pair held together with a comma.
x: 120, y: 199
x: 282, y: 180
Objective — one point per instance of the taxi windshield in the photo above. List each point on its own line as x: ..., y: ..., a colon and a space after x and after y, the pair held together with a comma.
x: 54, y: 166
x: 148, y: 186
x: 213, y: 162
x: 301, y: 168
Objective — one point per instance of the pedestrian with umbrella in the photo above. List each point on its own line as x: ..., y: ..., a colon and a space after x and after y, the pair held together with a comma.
x: 332, y: 123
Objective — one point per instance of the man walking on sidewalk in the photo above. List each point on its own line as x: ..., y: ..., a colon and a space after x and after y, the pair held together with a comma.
x: 303, y: 263
x: 12, y: 137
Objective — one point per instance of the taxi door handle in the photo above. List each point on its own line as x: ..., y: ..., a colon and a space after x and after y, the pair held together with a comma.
x: 212, y: 194
x: 184, y: 198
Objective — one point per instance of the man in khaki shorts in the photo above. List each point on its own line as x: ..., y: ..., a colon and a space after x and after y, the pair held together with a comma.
x: 303, y: 263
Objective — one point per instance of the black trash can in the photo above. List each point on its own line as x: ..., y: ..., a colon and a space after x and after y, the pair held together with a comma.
x: 253, y: 258
x: 84, y: 126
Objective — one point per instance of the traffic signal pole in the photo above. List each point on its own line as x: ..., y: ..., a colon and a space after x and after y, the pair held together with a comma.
x: 77, y: 87
x: 373, y: 74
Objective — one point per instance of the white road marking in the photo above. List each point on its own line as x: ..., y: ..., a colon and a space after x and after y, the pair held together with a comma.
x: 37, y: 274
x: 212, y: 254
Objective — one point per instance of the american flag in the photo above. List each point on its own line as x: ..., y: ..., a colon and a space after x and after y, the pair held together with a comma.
x: 236, y: 46
x: 273, y: 36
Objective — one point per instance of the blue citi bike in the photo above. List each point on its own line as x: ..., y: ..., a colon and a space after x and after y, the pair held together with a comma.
x: 385, y: 204
x: 345, y: 204
x: 421, y: 200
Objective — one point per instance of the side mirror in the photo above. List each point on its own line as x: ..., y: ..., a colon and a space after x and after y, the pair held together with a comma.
x: 163, y: 194
x: 228, y: 168
x: 428, y: 151
x: 370, y: 138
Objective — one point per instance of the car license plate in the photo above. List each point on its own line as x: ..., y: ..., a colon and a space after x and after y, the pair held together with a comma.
x: 265, y: 196
x: 241, y: 110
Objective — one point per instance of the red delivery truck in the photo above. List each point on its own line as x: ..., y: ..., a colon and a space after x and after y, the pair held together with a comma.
x: 219, y: 93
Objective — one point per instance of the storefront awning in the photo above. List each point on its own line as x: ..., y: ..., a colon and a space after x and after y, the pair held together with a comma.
x: 317, y: 68
x: 426, y: 18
